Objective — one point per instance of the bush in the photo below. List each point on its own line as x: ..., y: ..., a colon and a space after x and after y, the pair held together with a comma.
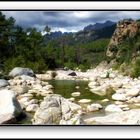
x: 136, y: 69
x: 37, y: 66
x: 83, y: 67
x: 70, y: 65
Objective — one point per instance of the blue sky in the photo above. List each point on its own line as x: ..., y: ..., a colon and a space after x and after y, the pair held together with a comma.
x: 67, y: 20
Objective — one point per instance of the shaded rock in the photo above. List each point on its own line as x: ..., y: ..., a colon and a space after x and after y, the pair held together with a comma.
x: 19, y: 90
x: 18, y: 71
x: 9, y: 106
x: 3, y: 83
x: 72, y: 74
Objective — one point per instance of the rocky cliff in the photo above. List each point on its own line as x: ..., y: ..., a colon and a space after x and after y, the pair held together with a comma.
x: 125, y: 30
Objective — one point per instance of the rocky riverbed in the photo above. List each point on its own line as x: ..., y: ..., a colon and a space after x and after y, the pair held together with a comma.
x: 28, y: 93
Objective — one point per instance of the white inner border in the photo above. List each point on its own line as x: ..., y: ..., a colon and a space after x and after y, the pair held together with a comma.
x: 69, y: 132
x: 69, y: 5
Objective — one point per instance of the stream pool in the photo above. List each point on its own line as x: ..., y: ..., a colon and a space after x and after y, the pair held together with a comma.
x: 66, y: 87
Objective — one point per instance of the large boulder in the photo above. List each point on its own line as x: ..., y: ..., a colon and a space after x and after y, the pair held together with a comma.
x: 18, y: 71
x: 53, y: 109
x: 3, y: 83
x: 9, y: 107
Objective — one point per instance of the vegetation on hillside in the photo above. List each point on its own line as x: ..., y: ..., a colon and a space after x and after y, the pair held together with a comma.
x: 27, y: 48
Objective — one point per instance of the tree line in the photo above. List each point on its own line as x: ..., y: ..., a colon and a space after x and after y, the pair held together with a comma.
x: 21, y: 47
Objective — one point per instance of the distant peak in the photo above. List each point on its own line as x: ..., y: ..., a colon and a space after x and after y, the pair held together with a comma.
x: 98, y: 26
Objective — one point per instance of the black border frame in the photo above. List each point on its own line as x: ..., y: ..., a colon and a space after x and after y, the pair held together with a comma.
x: 103, y: 125
x: 69, y: 1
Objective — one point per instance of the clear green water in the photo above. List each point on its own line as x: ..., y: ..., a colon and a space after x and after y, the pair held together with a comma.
x: 66, y: 87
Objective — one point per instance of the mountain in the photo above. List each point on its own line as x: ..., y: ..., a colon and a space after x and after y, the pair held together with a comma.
x: 91, y: 35
x: 98, y: 26
x: 88, y: 34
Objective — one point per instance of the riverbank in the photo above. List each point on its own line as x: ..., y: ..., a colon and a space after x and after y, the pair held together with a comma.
x: 29, y: 93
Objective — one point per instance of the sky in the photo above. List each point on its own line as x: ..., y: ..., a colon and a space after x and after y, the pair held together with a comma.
x: 67, y: 21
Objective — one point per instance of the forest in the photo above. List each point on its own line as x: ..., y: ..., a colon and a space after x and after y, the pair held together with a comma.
x: 21, y: 47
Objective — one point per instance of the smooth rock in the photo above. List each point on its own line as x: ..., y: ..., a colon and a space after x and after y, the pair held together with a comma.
x: 113, y: 108
x: 9, y: 105
x: 19, y: 90
x: 93, y: 84
x: 132, y: 92
x: 105, y: 100
x: 130, y: 117
x: 71, y: 99
x: 119, y: 97
x: 26, y: 77
x: 99, y: 90
x: 76, y: 94
x: 53, y: 109
x: 84, y: 101
x: 18, y: 71
x: 94, y: 107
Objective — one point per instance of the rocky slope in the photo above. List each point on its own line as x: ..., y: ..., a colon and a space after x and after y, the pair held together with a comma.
x: 125, y: 30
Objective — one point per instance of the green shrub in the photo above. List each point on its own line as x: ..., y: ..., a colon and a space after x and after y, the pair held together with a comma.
x: 136, y: 69
x: 70, y: 65
x: 83, y: 68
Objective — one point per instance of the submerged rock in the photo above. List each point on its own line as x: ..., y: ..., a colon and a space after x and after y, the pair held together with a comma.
x: 84, y: 101
x: 75, y: 94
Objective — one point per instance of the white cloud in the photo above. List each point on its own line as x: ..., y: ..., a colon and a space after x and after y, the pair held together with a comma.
x: 67, y: 21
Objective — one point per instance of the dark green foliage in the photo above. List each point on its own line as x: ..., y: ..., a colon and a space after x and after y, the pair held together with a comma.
x: 136, y: 69
x: 28, y: 48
